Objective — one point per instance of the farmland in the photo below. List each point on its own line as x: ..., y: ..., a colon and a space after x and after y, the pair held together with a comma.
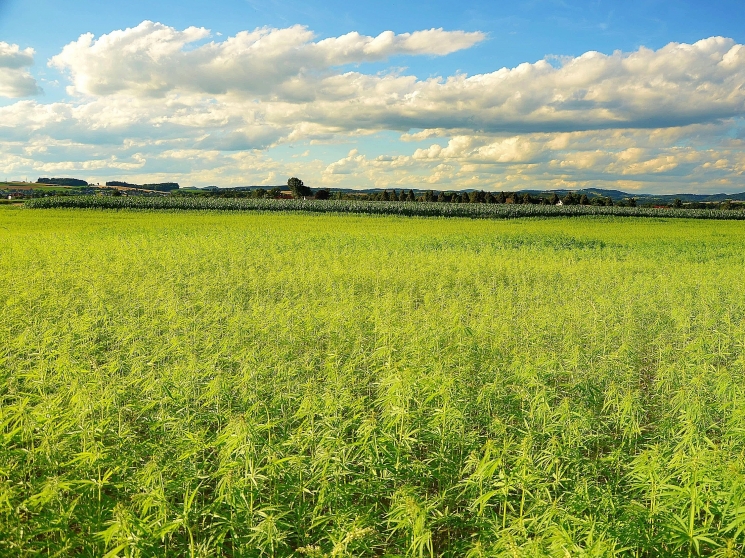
x: 183, y: 383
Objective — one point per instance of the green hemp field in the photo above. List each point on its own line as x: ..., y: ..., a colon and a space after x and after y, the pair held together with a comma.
x: 275, y: 384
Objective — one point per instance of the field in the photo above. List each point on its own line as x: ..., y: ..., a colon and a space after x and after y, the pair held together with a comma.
x: 36, y: 187
x: 275, y: 384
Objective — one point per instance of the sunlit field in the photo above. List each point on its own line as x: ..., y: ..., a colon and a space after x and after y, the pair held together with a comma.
x: 275, y: 384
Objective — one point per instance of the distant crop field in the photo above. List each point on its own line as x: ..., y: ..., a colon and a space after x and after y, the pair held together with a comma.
x: 275, y: 384
x: 34, y: 186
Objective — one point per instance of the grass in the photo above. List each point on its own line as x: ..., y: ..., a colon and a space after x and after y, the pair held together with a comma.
x: 273, y: 384
x: 410, y: 209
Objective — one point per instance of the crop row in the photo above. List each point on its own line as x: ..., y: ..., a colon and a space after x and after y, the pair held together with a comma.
x: 410, y: 209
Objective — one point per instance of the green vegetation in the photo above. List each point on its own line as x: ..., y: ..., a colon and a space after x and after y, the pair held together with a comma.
x: 63, y: 181
x: 298, y: 189
x: 273, y: 384
x: 159, y: 187
x: 405, y: 208
x: 36, y: 189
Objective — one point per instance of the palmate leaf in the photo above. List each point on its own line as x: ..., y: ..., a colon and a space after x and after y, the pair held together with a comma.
x: 738, y: 522
x: 482, y: 501
x: 683, y: 535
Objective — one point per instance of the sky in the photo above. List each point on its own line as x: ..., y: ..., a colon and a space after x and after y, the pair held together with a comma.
x: 641, y: 96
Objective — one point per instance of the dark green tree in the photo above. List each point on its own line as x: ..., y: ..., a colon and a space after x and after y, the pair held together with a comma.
x: 584, y: 200
x: 678, y: 203
x: 298, y: 189
x: 569, y: 199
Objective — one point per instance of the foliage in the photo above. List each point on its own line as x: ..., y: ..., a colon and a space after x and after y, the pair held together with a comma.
x: 407, y: 208
x: 159, y: 187
x: 298, y: 189
x: 62, y: 181
x: 433, y: 387
x: 162, y: 186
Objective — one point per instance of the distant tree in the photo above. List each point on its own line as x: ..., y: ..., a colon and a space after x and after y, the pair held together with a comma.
x: 584, y: 200
x: 489, y: 198
x: 410, y: 196
x: 569, y: 199
x: 632, y: 202
x: 678, y: 203
x: 384, y: 196
x: 275, y: 192
x: 116, y: 193
x: 162, y: 186
x: 527, y: 198
x: 429, y: 196
x: 321, y: 194
x: 554, y: 199
x: 608, y: 201
x: 298, y: 189
x: 394, y: 195
x: 501, y: 197
x: 62, y: 181
x: 258, y: 193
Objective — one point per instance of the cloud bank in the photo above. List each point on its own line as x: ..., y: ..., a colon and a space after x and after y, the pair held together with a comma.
x: 15, y: 80
x: 154, y: 99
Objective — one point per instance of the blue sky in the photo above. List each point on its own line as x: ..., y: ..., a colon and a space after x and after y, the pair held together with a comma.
x: 143, y: 98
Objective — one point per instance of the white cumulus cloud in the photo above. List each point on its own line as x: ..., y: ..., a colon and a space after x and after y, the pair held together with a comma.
x: 164, y: 102
x: 153, y: 59
x: 15, y: 80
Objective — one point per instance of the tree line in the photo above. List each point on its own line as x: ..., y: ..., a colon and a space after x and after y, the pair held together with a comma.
x: 159, y: 187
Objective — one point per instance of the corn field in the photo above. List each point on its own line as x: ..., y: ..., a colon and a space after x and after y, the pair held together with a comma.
x: 410, y: 209
x: 274, y: 384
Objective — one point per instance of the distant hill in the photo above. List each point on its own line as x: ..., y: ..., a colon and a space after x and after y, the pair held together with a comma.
x: 617, y: 195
